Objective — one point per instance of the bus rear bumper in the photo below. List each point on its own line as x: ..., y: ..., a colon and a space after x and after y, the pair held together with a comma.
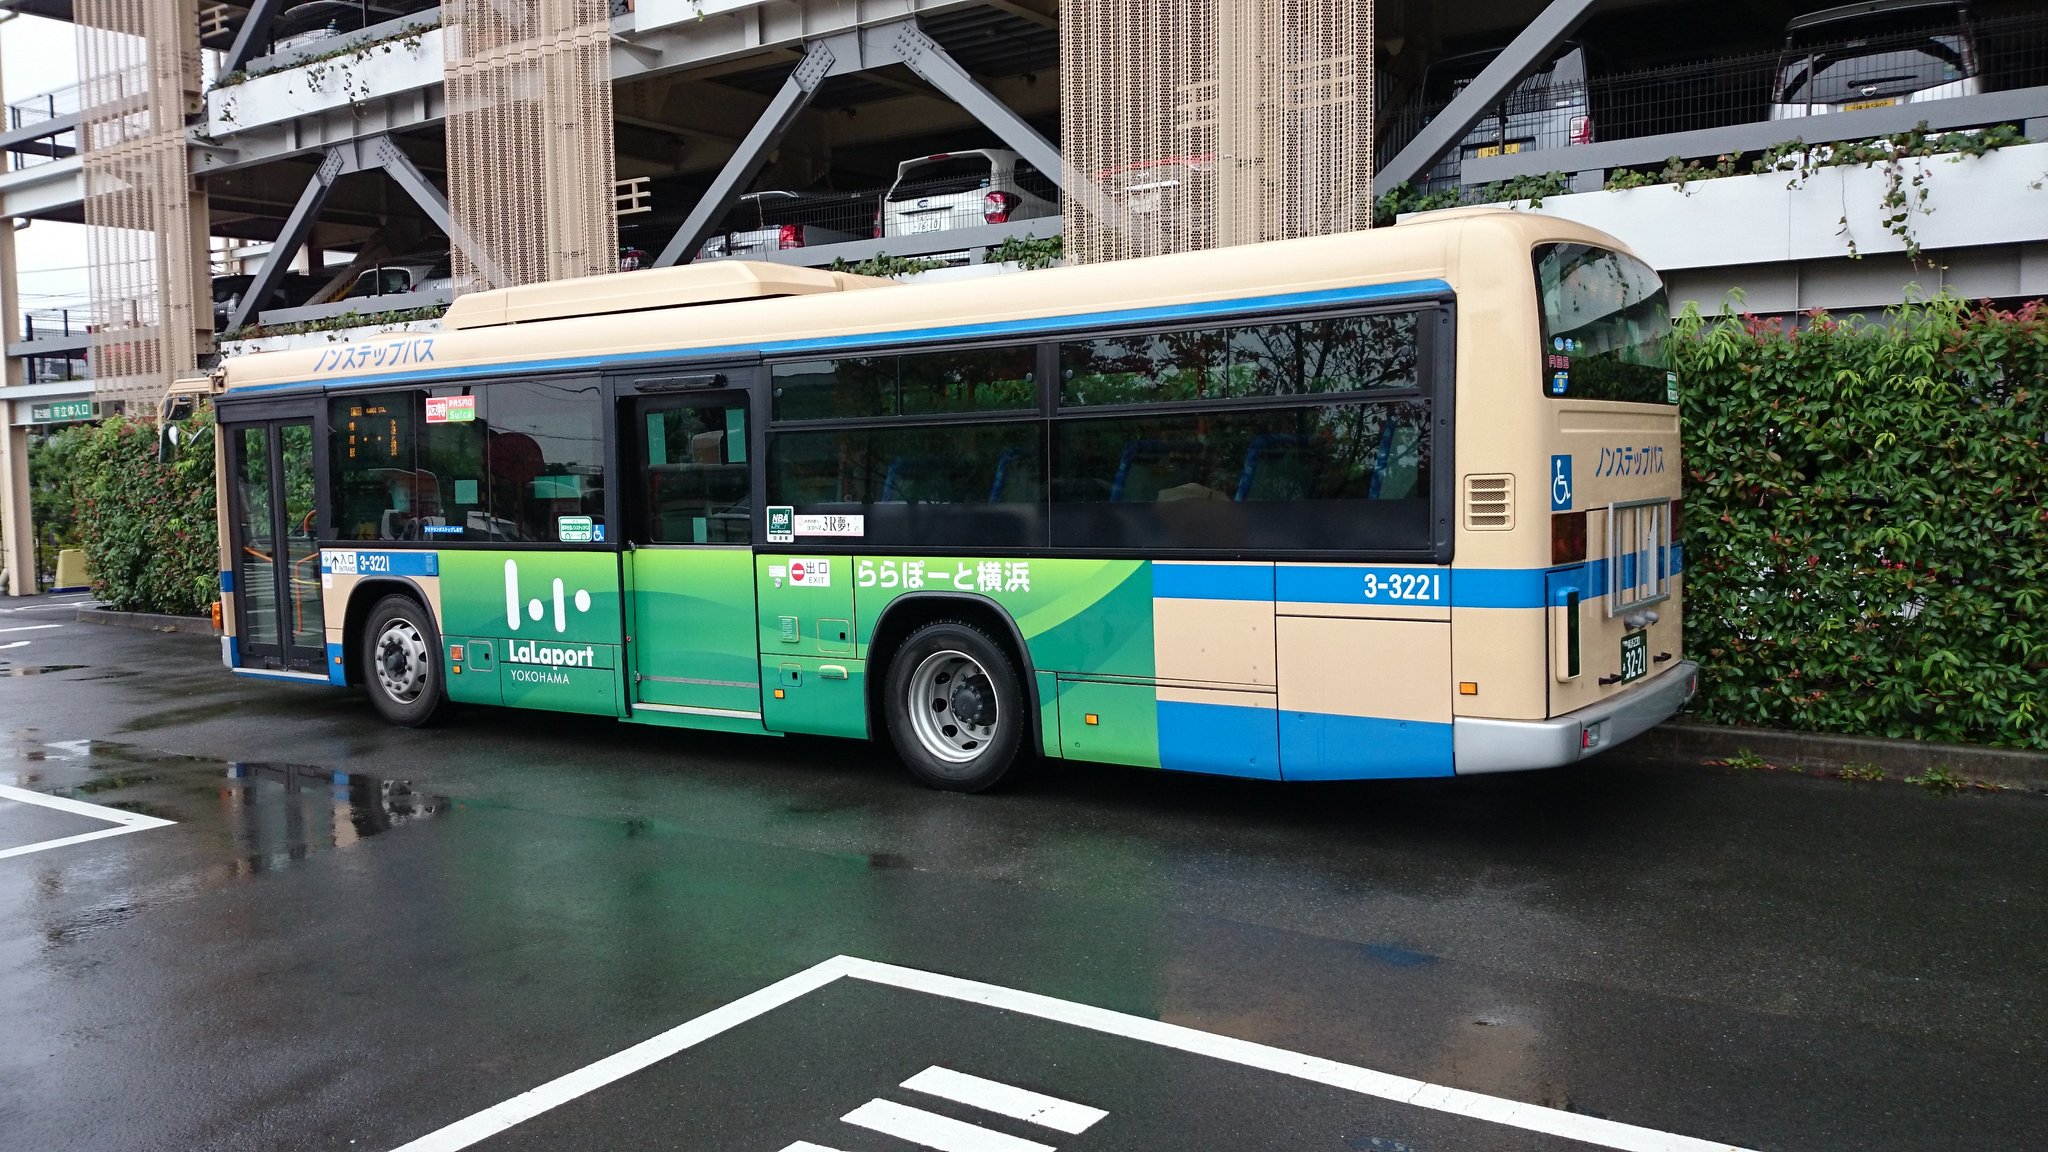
x: 1481, y: 745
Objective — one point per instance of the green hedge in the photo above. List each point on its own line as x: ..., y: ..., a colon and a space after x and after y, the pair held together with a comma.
x: 147, y: 527
x: 1866, y: 545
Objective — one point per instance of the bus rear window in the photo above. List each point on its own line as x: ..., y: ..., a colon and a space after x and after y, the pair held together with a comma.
x: 1605, y: 323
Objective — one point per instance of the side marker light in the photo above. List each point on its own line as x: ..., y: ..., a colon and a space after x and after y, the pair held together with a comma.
x: 1091, y: 718
x: 1468, y: 687
x: 778, y: 693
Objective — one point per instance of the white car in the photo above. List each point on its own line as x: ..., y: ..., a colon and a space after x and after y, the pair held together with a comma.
x: 964, y: 190
x: 1874, y: 55
x: 774, y: 221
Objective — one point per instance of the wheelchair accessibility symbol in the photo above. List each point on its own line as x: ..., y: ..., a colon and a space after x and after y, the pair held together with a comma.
x: 1560, y: 483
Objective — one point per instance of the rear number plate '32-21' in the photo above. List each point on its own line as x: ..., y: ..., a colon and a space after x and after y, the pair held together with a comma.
x: 1635, y: 656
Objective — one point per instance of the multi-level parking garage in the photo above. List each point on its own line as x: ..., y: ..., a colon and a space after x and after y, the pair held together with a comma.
x: 265, y: 170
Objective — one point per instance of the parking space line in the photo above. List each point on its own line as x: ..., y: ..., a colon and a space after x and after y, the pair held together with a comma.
x: 124, y: 822
x: 1005, y: 1100
x: 16, y: 644
x: 935, y: 1131
x: 618, y: 1065
x: 1346, y: 1077
x: 32, y: 628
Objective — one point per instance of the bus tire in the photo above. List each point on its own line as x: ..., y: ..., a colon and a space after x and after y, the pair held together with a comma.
x: 402, y: 663
x: 955, y: 708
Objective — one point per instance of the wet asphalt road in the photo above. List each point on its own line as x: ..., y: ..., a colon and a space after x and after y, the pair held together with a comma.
x: 306, y: 960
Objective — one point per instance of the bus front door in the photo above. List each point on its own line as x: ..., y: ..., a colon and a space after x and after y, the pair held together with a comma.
x: 689, y: 561
x: 275, y: 573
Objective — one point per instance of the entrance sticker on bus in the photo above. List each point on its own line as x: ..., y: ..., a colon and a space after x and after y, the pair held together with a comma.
x: 451, y: 409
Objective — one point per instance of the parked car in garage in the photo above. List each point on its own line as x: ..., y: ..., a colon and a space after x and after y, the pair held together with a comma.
x: 422, y: 272
x: 1874, y: 55
x: 777, y: 220
x: 1550, y: 108
x: 291, y: 290
x: 962, y: 190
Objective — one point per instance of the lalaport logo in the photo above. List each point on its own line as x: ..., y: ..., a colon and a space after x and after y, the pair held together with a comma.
x: 534, y: 608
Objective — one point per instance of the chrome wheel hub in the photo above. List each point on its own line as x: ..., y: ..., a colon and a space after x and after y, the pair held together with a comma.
x: 401, y: 660
x: 953, y: 706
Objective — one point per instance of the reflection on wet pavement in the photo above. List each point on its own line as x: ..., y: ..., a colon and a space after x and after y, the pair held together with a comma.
x: 317, y: 809
x: 266, y: 815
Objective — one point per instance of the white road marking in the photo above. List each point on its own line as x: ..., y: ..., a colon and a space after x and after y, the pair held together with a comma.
x: 807, y: 1146
x: 16, y: 644
x: 1346, y: 1077
x: 1005, y: 1100
x: 124, y: 822
x: 32, y: 628
x: 935, y: 1131
x: 562, y: 1089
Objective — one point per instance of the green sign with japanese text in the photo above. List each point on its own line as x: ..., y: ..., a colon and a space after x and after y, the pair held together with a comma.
x: 60, y: 411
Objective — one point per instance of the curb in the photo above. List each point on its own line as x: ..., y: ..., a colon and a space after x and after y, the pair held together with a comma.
x: 2005, y: 767
x: 148, y: 621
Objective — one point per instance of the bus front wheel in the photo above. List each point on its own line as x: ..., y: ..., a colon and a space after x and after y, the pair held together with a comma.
x: 954, y: 707
x: 402, y: 662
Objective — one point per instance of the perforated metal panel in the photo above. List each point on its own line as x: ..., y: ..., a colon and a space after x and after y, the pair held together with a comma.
x: 530, y: 139
x: 138, y: 62
x: 1215, y: 122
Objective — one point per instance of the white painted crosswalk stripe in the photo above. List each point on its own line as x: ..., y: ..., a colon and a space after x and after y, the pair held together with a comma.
x: 935, y: 1131
x: 1005, y: 1100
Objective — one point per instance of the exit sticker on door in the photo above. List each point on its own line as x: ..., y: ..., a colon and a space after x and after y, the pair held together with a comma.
x: 810, y: 573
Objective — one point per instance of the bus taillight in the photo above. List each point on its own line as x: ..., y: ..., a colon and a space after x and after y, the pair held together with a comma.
x: 1567, y: 537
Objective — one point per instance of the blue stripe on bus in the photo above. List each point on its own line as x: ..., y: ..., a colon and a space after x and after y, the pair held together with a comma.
x: 1028, y: 327
x: 227, y: 580
x: 336, y: 673
x: 1212, y: 581
x: 1220, y: 739
x: 1322, y: 746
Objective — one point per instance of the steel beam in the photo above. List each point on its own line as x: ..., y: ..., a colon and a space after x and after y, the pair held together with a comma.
x: 1522, y: 56
x: 389, y: 156
x: 752, y: 154
x: 255, y: 30
x: 922, y: 55
x: 296, y: 227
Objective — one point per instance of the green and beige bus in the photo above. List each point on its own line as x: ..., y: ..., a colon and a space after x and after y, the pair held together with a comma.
x: 1389, y: 504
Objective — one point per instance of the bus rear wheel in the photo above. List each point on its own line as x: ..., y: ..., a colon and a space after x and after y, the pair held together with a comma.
x: 402, y: 663
x: 954, y: 707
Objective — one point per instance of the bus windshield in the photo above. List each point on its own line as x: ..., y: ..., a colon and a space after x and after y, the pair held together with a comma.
x: 1605, y: 323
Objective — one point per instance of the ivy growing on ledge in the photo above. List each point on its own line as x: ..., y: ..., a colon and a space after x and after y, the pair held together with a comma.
x: 1904, y: 196
x: 345, y: 321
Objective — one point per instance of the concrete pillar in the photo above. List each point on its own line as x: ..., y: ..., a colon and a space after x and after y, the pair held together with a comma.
x: 17, y: 525
x: 15, y: 522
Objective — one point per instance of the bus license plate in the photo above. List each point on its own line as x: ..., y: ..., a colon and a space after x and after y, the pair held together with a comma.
x: 1860, y: 105
x: 1635, y: 656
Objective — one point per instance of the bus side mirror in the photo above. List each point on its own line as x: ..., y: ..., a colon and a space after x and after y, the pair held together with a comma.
x: 169, y: 431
